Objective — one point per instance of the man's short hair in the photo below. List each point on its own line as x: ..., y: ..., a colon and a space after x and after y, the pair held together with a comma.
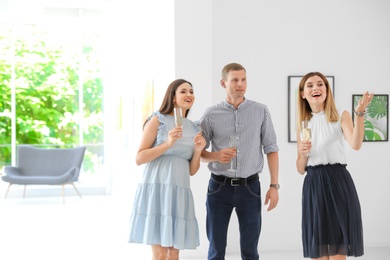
x: 229, y: 67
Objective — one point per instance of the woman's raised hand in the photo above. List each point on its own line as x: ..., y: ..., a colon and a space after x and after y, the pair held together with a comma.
x: 364, y: 102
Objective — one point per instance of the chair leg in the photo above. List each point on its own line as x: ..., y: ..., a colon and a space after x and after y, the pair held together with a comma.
x: 74, y: 186
x: 63, y: 193
x: 6, y: 193
x: 24, y: 191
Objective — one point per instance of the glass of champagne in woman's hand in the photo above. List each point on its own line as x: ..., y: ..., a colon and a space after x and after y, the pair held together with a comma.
x: 178, y: 116
x: 232, y: 146
x: 306, y: 133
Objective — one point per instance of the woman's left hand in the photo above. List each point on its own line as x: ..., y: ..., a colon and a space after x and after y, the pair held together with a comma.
x: 364, y: 102
x: 199, y: 141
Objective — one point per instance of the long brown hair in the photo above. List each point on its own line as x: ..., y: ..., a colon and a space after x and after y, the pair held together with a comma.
x: 167, y: 104
x: 304, y: 109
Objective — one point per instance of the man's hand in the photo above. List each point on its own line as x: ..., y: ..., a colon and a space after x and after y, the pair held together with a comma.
x: 225, y: 155
x: 272, y: 197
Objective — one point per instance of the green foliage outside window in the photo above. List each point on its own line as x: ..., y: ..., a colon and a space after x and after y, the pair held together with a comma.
x: 49, y: 76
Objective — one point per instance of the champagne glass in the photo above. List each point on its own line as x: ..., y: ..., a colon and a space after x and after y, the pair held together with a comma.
x: 306, y: 132
x: 233, y: 146
x: 178, y: 116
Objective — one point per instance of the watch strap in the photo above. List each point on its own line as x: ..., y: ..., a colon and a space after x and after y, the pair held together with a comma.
x: 360, y: 113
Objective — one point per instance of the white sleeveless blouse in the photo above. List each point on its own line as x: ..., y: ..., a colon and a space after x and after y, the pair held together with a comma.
x: 328, y: 142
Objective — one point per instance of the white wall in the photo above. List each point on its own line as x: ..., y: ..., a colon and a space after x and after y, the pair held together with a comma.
x: 348, y: 39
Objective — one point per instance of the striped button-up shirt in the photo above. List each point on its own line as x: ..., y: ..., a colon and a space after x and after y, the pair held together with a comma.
x: 251, y: 124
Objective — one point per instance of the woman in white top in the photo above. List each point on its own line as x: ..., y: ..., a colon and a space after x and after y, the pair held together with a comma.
x: 331, y: 214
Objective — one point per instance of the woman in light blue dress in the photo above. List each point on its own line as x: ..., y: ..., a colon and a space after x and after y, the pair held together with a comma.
x: 163, y: 213
x: 331, y: 215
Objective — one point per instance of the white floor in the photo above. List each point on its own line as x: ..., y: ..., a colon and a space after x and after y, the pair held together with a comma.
x: 94, y: 227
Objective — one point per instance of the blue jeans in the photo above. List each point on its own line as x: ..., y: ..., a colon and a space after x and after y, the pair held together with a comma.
x: 221, y: 199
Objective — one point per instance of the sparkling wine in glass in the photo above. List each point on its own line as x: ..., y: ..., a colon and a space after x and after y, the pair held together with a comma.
x: 178, y: 116
x: 306, y: 133
x: 233, y: 146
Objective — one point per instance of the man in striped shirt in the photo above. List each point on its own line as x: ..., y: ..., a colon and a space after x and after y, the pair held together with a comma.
x: 238, y: 186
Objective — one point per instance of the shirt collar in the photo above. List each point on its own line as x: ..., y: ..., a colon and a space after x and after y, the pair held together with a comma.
x: 240, y: 106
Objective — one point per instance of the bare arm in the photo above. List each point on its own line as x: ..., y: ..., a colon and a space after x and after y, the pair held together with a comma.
x: 146, y: 152
x: 273, y: 165
x: 272, y: 196
x: 354, y: 133
x: 199, y: 144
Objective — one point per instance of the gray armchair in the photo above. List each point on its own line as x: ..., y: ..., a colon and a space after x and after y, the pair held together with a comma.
x: 38, y: 166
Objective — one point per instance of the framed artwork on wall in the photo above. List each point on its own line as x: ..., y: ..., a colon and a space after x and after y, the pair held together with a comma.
x: 293, y: 85
x: 376, y: 119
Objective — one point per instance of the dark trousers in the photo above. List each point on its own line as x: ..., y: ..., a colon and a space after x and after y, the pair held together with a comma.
x: 222, y: 197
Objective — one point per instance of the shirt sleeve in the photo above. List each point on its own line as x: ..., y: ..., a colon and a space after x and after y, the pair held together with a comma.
x: 205, y: 128
x: 269, y: 140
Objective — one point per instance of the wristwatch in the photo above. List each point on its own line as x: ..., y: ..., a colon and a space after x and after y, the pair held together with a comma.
x: 276, y: 186
x: 360, y: 113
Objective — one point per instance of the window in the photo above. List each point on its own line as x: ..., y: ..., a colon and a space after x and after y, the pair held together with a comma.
x: 77, y: 73
x: 52, y: 85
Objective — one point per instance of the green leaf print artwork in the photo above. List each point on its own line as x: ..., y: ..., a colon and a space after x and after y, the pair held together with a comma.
x: 376, y: 119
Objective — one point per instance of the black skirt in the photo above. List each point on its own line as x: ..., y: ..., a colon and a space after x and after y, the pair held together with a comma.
x: 331, y: 214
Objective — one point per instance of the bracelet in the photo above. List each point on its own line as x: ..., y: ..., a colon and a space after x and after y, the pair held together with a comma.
x: 360, y: 114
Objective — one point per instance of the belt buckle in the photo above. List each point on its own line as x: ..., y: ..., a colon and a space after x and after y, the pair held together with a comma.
x: 235, y: 184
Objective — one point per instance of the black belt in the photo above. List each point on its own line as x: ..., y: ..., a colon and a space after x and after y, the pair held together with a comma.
x: 234, y: 181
